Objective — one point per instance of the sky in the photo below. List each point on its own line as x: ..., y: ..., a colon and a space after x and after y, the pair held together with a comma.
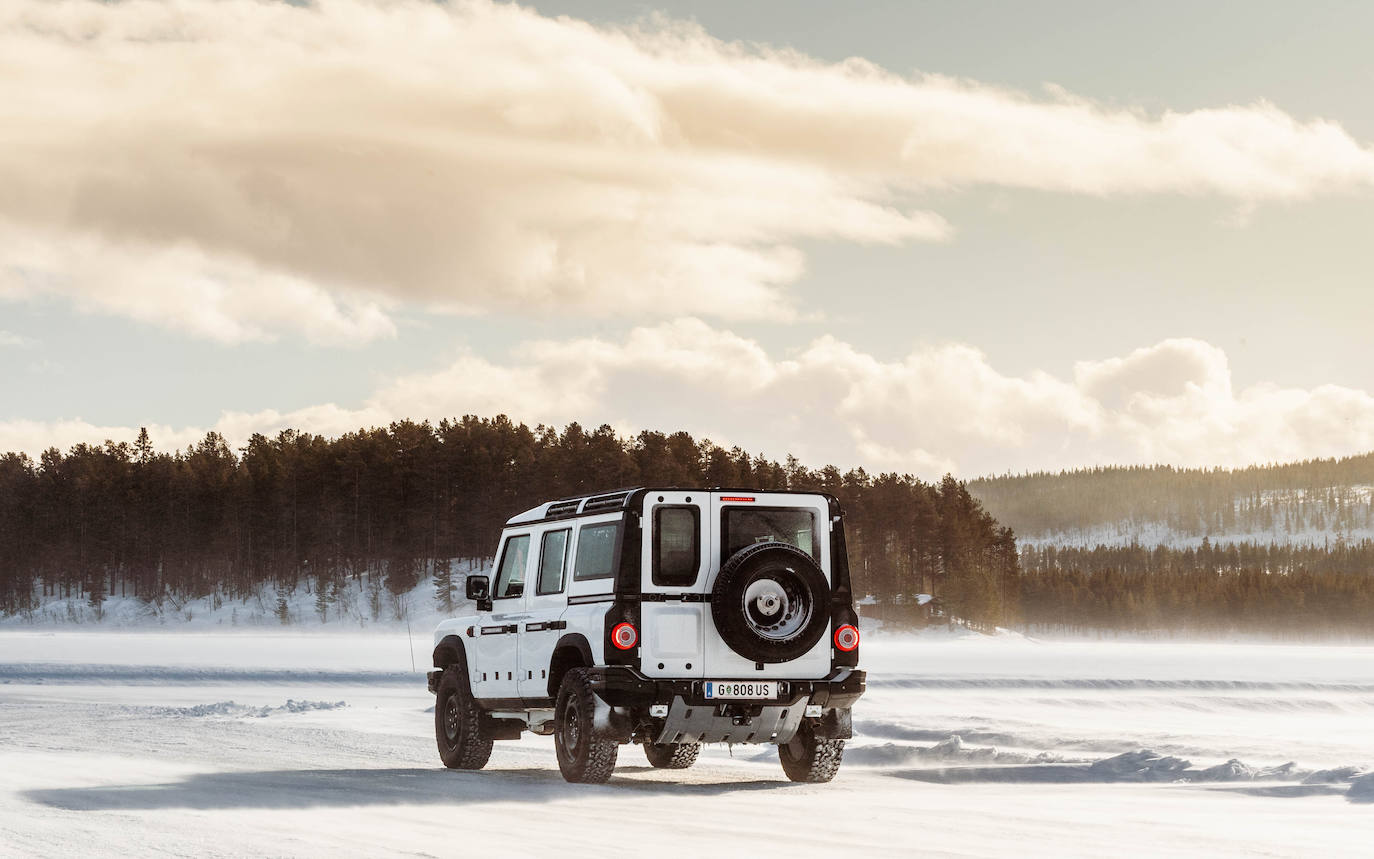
x: 926, y: 238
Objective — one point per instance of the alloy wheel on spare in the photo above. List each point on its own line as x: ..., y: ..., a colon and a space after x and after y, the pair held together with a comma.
x: 771, y: 602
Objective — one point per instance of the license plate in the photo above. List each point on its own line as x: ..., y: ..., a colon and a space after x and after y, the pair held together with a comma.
x: 738, y: 689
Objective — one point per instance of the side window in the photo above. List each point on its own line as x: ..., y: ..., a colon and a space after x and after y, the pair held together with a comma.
x: 510, y: 579
x: 677, y: 545
x: 596, y: 551
x: 553, y: 560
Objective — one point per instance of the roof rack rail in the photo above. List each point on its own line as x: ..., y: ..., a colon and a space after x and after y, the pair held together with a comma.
x: 610, y: 501
x: 563, y: 508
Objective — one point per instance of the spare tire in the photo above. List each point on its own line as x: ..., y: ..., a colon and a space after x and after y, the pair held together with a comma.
x: 770, y: 602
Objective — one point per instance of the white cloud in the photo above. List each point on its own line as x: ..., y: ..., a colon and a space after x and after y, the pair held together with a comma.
x: 215, y: 297
x: 943, y: 408
x: 34, y: 437
x: 14, y: 341
x: 240, y: 169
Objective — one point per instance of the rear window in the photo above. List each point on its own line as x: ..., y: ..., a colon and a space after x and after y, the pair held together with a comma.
x: 744, y: 526
x: 677, y: 545
x: 596, y: 551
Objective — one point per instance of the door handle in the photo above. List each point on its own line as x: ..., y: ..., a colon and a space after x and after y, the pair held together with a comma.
x: 540, y: 626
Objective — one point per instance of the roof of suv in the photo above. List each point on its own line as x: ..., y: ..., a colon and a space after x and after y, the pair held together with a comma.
x: 619, y: 499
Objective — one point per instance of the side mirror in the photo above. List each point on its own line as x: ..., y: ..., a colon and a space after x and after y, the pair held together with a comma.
x: 479, y: 591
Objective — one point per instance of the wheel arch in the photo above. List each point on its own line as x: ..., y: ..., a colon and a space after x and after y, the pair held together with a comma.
x: 450, y: 651
x: 572, y: 651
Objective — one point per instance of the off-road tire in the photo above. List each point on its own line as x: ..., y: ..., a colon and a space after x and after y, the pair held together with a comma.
x: 769, y: 560
x: 807, y: 758
x: 458, y: 724
x: 585, y: 755
x: 672, y: 756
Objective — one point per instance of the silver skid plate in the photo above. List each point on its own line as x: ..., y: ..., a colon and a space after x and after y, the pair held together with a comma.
x: 703, y: 724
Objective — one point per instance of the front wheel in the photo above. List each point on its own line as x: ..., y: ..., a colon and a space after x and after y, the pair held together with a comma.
x: 458, y: 728
x: 807, y: 758
x: 672, y: 756
x: 585, y: 754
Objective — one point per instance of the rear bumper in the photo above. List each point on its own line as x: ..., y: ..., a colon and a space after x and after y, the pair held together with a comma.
x: 622, y: 686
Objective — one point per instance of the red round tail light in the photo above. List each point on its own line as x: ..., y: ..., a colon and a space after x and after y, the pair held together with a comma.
x: 847, y: 638
x: 624, y: 636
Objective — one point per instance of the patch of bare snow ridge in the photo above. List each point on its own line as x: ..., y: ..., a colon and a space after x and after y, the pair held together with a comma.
x: 1362, y: 789
x: 229, y: 708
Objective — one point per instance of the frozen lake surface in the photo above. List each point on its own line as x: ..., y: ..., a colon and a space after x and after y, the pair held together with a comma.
x: 251, y: 744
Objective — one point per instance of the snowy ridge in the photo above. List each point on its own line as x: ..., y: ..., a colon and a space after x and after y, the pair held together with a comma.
x: 229, y: 708
x: 1141, y: 765
x: 1294, y: 517
x: 57, y: 673
x: 1152, y: 534
x: 362, y: 603
x: 1113, y: 684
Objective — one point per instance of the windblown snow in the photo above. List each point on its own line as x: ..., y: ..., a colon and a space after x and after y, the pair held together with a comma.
x: 253, y: 743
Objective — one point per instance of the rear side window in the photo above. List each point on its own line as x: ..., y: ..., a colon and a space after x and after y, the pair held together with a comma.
x: 510, y: 579
x: 744, y: 526
x: 677, y: 545
x: 553, y: 560
x: 596, y: 551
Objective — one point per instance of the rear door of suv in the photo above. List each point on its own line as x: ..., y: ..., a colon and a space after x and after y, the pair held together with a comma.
x: 545, y: 601
x: 739, y: 519
x: 676, y: 563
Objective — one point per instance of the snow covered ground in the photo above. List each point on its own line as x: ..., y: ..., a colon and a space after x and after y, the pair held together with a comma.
x: 252, y: 744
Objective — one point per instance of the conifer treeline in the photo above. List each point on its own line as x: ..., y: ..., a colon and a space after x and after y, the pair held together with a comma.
x: 1275, y: 589
x: 1314, y: 495
x: 392, y: 502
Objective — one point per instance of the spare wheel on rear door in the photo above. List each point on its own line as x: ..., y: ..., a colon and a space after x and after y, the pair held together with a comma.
x: 770, y: 602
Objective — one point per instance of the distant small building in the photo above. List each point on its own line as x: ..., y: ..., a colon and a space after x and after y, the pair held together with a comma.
x: 902, y: 610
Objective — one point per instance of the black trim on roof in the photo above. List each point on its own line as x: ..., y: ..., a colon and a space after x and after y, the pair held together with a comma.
x: 620, y: 499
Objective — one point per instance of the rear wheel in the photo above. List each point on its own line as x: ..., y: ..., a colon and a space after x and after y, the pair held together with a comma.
x: 585, y: 754
x: 458, y: 728
x: 807, y: 758
x: 672, y: 756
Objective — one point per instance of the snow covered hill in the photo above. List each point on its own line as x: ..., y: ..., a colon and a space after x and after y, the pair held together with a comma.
x: 1316, y: 504
x: 362, y: 603
x: 1152, y: 533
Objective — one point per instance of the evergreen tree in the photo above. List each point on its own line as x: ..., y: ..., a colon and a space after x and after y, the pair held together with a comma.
x: 443, y: 585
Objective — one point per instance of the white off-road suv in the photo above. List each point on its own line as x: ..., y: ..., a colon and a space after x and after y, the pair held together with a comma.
x: 665, y: 617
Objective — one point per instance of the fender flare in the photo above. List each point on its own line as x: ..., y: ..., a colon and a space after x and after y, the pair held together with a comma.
x: 578, y: 641
x: 450, y: 651
x: 574, y: 641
